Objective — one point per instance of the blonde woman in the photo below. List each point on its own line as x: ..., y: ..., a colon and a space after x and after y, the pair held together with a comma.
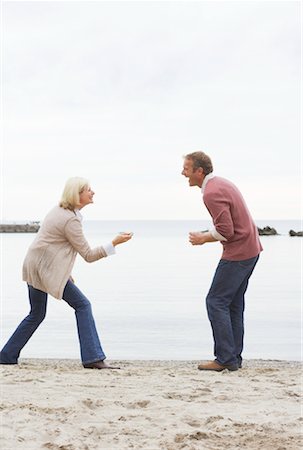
x: 47, y: 270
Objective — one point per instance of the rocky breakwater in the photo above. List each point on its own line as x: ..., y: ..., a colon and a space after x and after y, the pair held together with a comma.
x: 267, y: 231
x: 31, y: 227
x: 295, y: 233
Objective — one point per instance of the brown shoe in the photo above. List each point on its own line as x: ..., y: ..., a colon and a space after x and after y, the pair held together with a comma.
x: 214, y: 365
x: 99, y: 365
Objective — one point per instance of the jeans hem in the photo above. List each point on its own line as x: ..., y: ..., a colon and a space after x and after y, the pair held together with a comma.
x: 8, y: 363
x: 236, y: 364
x: 94, y: 360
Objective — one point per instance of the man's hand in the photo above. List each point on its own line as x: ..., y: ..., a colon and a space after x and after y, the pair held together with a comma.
x: 200, y: 237
x: 197, y: 238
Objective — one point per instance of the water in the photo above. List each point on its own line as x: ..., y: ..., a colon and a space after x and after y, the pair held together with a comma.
x: 148, y: 299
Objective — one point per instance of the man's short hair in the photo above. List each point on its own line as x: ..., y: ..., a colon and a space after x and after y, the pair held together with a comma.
x: 200, y: 159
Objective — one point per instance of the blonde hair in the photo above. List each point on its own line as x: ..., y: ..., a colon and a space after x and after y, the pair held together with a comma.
x: 70, y: 198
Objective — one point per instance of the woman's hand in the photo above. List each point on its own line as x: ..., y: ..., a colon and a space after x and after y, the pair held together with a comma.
x: 121, y: 238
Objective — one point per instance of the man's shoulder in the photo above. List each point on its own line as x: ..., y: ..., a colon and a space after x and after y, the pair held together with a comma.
x: 218, y: 188
x: 218, y: 182
x: 215, y: 182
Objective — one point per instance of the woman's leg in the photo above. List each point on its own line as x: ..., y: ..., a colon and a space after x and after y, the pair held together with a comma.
x: 11, y: 351
x: 90, y: 346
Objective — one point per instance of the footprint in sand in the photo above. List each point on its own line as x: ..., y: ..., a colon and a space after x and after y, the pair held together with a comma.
x: 192, y: 422
x: 52, y: 446
x: 173, y: 396
x: 212, y: 419
x: 92, y: 404
x: 198, y: 436
x: 139, y: 404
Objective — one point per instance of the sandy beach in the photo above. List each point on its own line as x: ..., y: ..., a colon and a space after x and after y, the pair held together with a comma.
x: 56, y: 404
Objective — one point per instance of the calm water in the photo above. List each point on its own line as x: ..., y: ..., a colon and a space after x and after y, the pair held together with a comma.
x: 148, y: 299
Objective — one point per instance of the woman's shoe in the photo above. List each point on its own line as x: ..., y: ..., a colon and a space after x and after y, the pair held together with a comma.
x: 99, y: 365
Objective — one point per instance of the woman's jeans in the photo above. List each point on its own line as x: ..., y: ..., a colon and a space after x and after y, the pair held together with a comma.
x: 225, y: 307
x: 90, y: 346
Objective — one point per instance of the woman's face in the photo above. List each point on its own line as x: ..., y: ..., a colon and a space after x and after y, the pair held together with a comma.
x: 86, y: 196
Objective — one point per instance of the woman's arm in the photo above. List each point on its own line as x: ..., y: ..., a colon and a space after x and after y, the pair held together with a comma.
x: 74, y: 234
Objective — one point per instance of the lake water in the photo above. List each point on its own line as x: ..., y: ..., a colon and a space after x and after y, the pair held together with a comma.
x: 149, y: 298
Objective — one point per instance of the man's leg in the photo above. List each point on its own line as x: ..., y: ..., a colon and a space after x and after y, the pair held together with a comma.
x: 237, y: 309
x: 228, y: 278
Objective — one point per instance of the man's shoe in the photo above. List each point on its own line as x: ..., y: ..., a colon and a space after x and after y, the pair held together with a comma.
x: 99, y: 365
x: 214, y: 365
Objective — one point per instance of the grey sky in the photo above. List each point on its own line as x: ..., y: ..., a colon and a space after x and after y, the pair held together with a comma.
x: 119, y: 91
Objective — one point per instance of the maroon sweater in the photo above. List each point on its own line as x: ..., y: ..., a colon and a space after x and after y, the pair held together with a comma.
x: 231, y: 219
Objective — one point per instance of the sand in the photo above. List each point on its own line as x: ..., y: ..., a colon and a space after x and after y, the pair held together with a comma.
x: 170, y: 405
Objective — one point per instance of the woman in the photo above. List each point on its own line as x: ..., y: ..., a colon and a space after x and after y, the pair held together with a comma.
x: 47, y: 270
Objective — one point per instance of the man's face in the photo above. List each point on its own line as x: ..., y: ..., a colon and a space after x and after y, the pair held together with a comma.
x: 195, y: 176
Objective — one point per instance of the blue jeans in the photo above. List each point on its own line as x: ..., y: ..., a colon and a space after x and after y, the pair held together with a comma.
x: 90, y: 346
x: 225, y: 308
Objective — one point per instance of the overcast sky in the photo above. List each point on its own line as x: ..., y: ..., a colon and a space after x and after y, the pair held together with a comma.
x: 118, y: 92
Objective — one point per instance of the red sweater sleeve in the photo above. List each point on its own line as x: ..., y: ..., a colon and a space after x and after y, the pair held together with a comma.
x: 220, y: 212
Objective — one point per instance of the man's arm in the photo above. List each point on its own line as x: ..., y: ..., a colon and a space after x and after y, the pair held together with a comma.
x: 219, y: 210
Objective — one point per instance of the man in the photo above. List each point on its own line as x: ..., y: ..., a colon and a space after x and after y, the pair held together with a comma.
x: 235, y: 229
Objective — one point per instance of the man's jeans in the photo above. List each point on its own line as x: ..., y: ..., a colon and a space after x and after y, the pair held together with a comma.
x: 225, y: 307
x: 90, y: 346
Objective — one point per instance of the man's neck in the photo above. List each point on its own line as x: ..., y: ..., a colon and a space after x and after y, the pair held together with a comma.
x: 205, y: 180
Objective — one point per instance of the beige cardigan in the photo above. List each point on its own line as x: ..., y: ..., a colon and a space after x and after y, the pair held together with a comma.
x: 50, y: 258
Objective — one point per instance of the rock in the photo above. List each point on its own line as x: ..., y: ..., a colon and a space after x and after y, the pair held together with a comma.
x: 295, y: 233
x: 267, y: 231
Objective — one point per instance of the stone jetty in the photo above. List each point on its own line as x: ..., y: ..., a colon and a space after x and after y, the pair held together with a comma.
x: 31, y: 227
